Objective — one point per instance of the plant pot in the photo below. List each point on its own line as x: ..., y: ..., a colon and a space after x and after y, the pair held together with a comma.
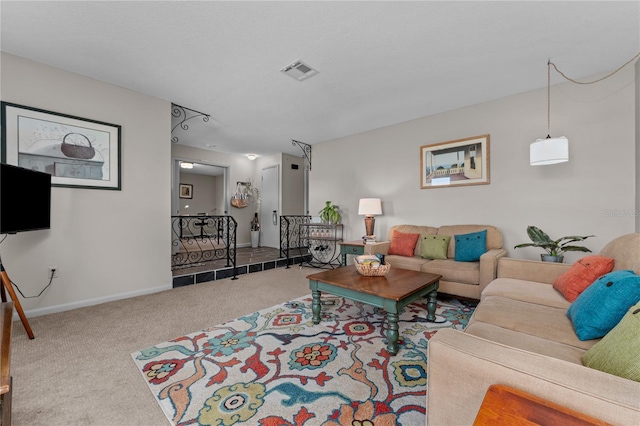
x: 255, y: 238
x: 549, y: 258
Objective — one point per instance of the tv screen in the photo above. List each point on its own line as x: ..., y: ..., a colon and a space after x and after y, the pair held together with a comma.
x: 25, y: 199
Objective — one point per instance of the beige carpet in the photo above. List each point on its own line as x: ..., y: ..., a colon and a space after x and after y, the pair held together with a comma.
x: 78, y: 370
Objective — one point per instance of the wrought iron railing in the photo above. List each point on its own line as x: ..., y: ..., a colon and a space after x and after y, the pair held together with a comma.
x: 200, y: 239
x: 290, y: 242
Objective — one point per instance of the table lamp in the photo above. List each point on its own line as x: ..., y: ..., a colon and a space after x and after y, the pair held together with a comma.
x: 369, y: 207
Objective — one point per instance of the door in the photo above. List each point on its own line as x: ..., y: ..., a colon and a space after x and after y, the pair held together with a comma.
x: 269, y: 214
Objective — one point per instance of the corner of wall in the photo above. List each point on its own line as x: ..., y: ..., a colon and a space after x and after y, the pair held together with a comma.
x: 637, y: 117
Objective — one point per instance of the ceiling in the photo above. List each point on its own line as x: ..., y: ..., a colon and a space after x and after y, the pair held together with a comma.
x: 379, y: 63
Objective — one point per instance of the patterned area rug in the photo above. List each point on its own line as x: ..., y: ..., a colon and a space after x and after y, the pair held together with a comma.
x: 276, y: 368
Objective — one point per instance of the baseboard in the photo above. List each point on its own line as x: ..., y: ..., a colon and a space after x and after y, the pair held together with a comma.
x: 89, y: 302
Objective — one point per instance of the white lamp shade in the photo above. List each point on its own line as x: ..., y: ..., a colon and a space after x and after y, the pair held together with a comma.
x: 370, y: 206
x: 547, y: 151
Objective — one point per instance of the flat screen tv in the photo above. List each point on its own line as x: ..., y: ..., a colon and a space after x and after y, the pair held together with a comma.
x: 25, y: 200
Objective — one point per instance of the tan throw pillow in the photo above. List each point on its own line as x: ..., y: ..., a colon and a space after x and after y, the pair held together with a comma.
x: 618, y: 352
x: 581, y: 275
x: 403, y: 244
x: 434, y: 246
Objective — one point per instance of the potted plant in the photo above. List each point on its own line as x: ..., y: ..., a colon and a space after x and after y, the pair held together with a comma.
x: 554, y: 248
x: 330, y: 213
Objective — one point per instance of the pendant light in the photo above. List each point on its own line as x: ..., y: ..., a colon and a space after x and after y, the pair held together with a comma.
x: 550, y: 150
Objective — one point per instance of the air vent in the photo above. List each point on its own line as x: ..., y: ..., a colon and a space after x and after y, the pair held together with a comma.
x: 299, y: 71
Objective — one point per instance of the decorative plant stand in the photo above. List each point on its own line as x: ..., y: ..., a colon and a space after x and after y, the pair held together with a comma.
x: 323, y: 240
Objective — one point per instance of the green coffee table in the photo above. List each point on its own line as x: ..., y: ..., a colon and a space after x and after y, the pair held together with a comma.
x: 392, y: 293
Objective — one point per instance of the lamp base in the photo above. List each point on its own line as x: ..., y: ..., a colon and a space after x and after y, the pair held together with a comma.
x: 369, y: 223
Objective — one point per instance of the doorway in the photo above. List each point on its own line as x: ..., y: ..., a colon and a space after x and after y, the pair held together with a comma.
x: 206, y: 186
x: 269, y: 207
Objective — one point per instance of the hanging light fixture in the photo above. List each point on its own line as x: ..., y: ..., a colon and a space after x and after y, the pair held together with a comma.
x: 550, y: 150
x: 556, y: 150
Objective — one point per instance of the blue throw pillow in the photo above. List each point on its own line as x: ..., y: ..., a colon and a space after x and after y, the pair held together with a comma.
x: 601, y: 306
x: 469, y: 247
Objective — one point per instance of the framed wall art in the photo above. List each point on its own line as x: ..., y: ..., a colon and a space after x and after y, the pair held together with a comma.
x: 186, y: 190
x: 75, y: 151
x: 455, y: 163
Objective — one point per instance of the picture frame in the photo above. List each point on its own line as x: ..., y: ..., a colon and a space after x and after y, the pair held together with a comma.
x: 460, y: 162
x: 77, y: 152
x: 186, y: 191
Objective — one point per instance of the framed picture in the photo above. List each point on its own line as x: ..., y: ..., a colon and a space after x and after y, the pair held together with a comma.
x: 75, y: 151
x: 455, y: 163
x: 186, y: 191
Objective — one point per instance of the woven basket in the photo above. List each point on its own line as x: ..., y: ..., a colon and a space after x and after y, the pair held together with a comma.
x: 369, y: 271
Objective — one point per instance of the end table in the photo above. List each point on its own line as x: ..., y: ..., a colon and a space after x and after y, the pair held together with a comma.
x: 355, y: 248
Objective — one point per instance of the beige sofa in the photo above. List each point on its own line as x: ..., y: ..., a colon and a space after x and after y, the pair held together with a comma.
x: 520, y: 336
x: 466, y: 279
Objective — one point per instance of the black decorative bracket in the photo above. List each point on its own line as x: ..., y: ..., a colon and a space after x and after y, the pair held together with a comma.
x: 184, y: 116
x: 306, y: 150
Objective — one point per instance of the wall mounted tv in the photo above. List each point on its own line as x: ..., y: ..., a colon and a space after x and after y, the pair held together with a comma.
x: 25, y: 200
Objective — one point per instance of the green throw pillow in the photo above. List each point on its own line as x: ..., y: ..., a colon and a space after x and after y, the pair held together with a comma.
x: 618, y: 352
x: 434, y: 246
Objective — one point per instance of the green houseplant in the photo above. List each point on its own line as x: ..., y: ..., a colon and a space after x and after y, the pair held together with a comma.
x: 330, y: 213
x: 554, y: 248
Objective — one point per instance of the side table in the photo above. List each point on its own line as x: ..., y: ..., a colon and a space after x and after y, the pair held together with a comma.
x: 355, y: 248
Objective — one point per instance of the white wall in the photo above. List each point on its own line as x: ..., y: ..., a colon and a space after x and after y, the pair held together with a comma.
x: 106, y: 244
x: 204, y: 194
x: 637, y: 118
x: 292, y: 185
x: 573, y: 198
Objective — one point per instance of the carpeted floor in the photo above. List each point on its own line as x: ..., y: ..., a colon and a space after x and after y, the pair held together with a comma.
x: 78, y: 369
x: 276, y: 367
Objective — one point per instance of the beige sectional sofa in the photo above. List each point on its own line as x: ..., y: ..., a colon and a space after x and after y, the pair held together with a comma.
x: 520, y: 336
x: 466, y: 279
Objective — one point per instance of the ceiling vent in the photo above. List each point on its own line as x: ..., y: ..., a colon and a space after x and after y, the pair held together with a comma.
x: 299, y: 71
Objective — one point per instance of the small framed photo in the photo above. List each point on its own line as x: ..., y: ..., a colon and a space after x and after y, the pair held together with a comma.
x: 186, y: 190
x: 75, y: 151
x: 459, y: 162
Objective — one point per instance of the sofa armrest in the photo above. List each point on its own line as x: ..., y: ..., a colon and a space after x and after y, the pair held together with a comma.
x: 377, y: 248
x: 462, y: 367
x: 530, y: 270
x: 489, y: 266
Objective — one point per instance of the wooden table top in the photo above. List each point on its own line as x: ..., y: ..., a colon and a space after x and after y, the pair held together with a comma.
x: 359, y: 243
x: 506, y: 406
x: 396, y: 285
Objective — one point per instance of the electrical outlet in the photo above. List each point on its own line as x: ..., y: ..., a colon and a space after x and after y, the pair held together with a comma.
x: 52, y: 273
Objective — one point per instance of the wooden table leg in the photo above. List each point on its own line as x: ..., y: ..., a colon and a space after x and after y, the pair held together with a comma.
x: 431, y: 306
x: 392, y: 333
x: 315, y: 306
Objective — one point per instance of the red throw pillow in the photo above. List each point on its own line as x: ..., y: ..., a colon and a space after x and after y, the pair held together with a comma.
x: 403, y: 244
x: 581, y: 275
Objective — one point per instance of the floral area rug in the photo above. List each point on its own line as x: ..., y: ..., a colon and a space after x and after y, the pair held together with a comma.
x: 275, y: 367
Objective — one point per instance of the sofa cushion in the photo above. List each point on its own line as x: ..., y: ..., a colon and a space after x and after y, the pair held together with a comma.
x: 434, y: 246
x: 603, y: 304
x: 581, y: 275
x: 525, y: 342
x: 403, y: 244
x: 469, y: 247
x: 619, y: 351
x: 526, y: 291
x: 459, y: 272
x: 414, y: 263
x: 529, y: 318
